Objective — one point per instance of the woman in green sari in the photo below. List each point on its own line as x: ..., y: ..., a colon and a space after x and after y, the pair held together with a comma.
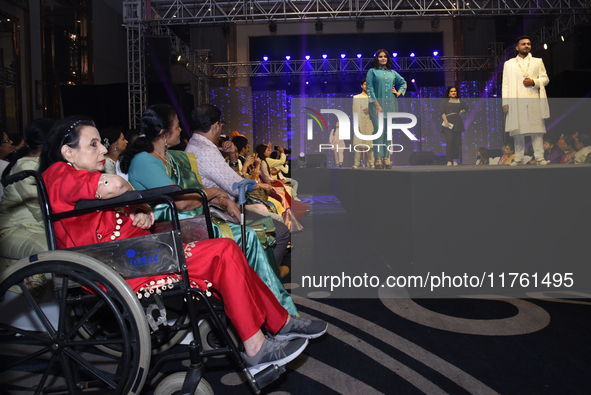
x: 149, y: 164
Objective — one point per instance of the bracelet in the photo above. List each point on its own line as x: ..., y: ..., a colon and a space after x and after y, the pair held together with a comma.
x: 222, y: 202
x: 102, y: 181
x: 233, y: 164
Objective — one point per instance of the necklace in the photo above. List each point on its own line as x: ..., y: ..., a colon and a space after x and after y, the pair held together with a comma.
x: 167, y: 163
x: 526, y: 72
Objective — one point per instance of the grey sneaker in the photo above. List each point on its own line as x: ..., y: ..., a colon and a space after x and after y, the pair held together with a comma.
x: 299, y: 327
x: 274, y: 352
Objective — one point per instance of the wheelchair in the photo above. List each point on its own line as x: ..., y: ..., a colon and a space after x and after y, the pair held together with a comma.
x: 84, y: 330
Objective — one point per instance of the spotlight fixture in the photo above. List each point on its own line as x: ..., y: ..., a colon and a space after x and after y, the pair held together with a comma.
x: 359, y: 55
x: 360, y: 24
x: 307, y: 82
x: 273, y: 26
x: 435, y: 22
x: 413, y: 80
x: 394, y: 54
x: 435, y: 53
x: 287, y: 57
x: 265, y: 58
x: 319, y: 26
x: 398, y: 24
x: 545, y: 46
x: 562, y: 38
x: 412, y: 54
x: 324, y: 56
x: 307, y: 57
x: 178, y: 59
x: 343, y: 56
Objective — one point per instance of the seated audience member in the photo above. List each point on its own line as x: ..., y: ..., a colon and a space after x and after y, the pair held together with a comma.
x: 207, y: 125
x: 483, y: 158
x: 278, y: 164
x: 571, y: 150
x: 149, y: 164
x: 293, y: 207
x: 22, y: 231
x: 115, y: 143
x: 552, y: 153
x: 508, y: 153
x: 583, y: 146
x: 71, y: 163
x: 258, y: 198
x: 6, y: 148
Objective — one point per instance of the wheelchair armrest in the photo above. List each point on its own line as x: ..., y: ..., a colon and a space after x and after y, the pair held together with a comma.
x: 155, y: 195
x: 169, y: 190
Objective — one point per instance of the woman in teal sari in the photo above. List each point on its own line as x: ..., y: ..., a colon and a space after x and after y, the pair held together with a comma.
x: 149, y: 164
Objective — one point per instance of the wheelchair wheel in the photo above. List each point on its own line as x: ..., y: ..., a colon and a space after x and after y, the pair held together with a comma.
x: 45, y: 338
x: 161, y: 340
x: 172, y: 385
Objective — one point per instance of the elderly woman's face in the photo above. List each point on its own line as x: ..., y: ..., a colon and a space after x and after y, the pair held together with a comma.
x: 90, y: 153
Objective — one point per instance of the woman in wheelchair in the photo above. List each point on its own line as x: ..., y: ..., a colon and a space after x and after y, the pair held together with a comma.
x: 149, y: 164
x: 71, y: 161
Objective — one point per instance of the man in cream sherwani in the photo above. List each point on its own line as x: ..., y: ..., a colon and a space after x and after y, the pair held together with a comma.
x: 360, y: 106
x: 525, y: 101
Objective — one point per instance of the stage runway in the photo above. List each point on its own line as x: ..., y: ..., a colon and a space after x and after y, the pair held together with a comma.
x: 485, y: 220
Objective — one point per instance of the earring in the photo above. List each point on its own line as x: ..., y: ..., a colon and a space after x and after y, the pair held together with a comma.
x: 115, y: 151
x: 165, y: 143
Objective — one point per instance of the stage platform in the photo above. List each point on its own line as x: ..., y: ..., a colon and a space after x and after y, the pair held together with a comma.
x: 474, y: 219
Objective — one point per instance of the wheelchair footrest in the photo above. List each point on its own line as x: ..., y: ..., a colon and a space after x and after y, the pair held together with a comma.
x: 268, y: 375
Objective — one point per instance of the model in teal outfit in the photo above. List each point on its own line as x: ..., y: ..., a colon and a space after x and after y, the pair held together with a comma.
x: 147, y: 172
x: 383, y: 98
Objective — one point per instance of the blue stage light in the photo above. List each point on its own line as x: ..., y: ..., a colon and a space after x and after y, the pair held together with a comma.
x: 394, y: 54
x: 288, y: 57
x: 435, y: 53
x: 307, y: 57
x: 265, y: 58
x: 342, y: 56
x: 412, y: 54
x: 358, y: 56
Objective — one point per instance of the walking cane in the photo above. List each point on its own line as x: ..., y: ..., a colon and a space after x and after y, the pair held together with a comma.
x: 241, y: 186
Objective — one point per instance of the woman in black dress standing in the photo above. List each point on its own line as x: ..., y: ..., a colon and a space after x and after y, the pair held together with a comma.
x: 451, y: 109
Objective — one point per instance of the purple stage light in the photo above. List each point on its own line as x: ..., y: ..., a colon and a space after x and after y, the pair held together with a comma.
x: 358, y: 56
x: 412, y: 54
x: 307, y: 57
x: 435, y: 53
x: 288, y: 57
x: 413, y: 80
x: 342, y: 56
x: 324, y: 56
x: 265, y: 58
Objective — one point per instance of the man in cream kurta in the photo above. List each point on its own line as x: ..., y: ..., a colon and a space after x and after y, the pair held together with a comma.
x: 525, y: 101
x: 361, y: 107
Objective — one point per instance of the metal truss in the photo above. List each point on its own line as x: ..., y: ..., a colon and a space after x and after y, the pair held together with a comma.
x: 243, y: 11
x: 347, y: 66
x: 134, y: 13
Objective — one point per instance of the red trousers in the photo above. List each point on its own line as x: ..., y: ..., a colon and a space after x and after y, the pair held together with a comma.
x: 248, y: 302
